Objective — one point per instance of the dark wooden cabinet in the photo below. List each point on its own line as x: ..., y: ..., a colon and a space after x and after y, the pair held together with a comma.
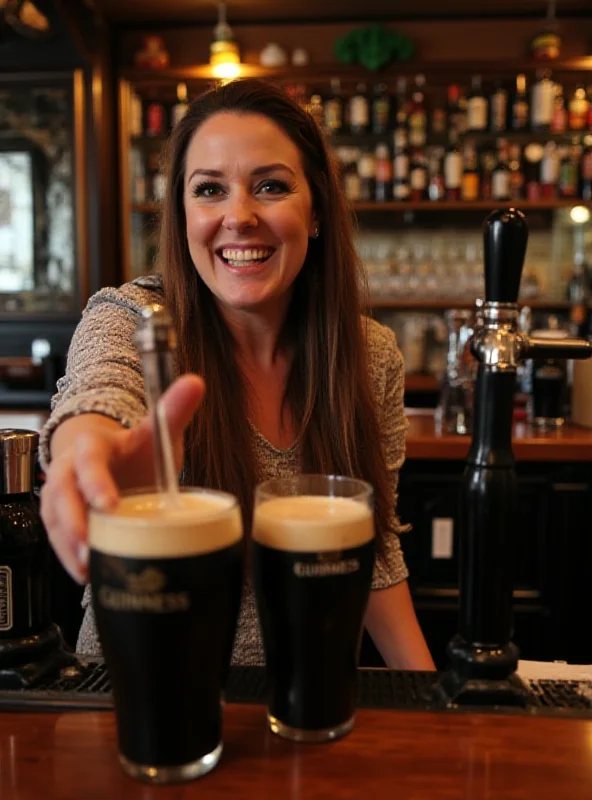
x: 551, y: 556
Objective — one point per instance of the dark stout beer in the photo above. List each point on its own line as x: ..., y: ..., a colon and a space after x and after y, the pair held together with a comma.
x: 312, y: 563
x: 166, y: 585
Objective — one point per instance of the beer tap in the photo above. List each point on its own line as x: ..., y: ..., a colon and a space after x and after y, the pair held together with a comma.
x: 482, y: 657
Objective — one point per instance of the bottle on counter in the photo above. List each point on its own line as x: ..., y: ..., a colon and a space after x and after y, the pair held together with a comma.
x: 488, y: 162
x: 569, y: 172
x: 477, y: 107
x: 155, y: 119
x: 578, y: 296
x: 315, y: 109
x: 533, y: 156
x: 578, y: 108
x: 381, y: 109
x: 457, y: 111
x: 181, y: 107
x: 436, y: 187
x: 401, y: 185
x: 417, y: 120
x: 542, y: 101
x: 135, y: 115
x: 367, y: 173
x: 498, y: 105
x: 500, y: 177
x: 549, y: 171
x: 453, y: 168
x: 517, y: 179
x: 384, y: 174
x: 333, y: 109
x: 359, y: 111
x: 418, y: 175
x: 470, y: 179
x: 559, y: 118
x: 520, y: 105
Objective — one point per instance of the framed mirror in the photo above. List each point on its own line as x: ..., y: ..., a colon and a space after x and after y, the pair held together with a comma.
x: 42, y: 195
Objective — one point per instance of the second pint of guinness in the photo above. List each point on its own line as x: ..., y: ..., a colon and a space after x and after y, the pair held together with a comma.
x: 166, y: 582
x: 313, y: 555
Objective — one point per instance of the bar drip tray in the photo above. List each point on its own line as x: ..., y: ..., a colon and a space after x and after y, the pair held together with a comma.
x: 85, y: 686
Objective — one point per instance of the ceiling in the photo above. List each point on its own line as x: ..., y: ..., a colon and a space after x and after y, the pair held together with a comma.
x: 141, y: 12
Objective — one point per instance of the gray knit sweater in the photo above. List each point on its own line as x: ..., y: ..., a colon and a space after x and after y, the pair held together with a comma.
x: 104, y: 376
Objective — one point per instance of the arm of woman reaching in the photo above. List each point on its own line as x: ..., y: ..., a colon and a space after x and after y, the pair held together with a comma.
x: 393, y: 626
x: 93, y: 458
x: 390, y: 618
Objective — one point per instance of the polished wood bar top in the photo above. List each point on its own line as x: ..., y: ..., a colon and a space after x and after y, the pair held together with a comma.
x: 413, y: 755
x: 568, y: 443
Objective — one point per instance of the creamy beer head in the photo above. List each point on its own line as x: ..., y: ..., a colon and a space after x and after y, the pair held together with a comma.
x: 310, y: 523
x: 146, y: 526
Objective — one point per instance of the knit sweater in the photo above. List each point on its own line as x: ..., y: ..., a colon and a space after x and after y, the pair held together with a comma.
x: 104, y: 376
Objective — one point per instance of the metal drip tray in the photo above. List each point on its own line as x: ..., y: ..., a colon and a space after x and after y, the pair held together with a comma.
x: 86, y: 686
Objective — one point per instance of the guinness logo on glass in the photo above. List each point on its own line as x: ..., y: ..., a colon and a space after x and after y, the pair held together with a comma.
x: 321, y: 569
x: 143, y: 591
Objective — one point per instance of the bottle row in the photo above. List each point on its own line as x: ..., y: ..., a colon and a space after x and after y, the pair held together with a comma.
x: 510, y: 172
x: 501, y: 107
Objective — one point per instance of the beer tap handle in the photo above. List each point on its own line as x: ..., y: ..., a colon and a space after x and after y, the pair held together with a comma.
x: 505, y: 235
x: 539, y: 347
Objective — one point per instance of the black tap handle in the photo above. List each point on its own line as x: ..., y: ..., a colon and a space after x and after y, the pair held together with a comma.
x: 505, y: 234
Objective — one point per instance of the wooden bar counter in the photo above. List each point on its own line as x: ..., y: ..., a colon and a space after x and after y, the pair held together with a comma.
x: 568, y: 443
x: 413, y: 755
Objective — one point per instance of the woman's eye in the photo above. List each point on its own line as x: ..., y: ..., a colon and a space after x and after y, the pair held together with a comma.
x: 273, y: 187
x: 207, y: 189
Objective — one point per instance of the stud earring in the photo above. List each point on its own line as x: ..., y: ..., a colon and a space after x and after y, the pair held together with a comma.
x: 315, y: 232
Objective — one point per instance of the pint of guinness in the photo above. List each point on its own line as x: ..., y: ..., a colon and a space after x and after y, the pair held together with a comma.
x: 313, y: 555
x: 166, y: 583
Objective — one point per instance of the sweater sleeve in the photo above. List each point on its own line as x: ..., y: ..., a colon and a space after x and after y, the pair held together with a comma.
x: 388, y: 375
x: 103, y: 370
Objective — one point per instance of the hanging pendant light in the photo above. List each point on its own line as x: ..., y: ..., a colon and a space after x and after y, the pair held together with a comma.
x: 224, y: 53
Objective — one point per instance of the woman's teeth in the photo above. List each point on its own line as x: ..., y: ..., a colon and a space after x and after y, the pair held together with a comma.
x: 238, y: 258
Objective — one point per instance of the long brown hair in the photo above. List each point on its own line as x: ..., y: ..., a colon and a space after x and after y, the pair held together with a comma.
x: 328, y: 389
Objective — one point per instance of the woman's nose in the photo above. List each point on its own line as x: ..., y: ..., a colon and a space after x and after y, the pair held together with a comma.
x: 239, y: 213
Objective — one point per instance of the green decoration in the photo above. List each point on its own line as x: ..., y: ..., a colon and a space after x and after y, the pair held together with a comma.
x: 373, y: 46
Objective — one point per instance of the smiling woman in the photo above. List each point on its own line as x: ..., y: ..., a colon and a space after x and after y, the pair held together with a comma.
x: 259, y: 273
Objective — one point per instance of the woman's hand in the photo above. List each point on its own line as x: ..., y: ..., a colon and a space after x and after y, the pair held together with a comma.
x: 94, y: 459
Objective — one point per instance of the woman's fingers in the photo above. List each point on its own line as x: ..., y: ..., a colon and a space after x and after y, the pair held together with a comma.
x: 63, y: 511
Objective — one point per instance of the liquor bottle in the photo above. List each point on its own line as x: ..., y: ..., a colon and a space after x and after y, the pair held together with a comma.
x: 155, y: 119
x: 589, y: 123
x: 315, y: 109
x: 384, y: 174
x: 559, y: 119
x: 351, y: 176
x: 476, y: 106
x: 542, y: 101
x: 367, y: 173
x: 533, y: 156
x: 436, y: 188
x: 498, y: 104
x: 418, y: 176
x: 401, y: 187
x: 520, y: 105
x: 381, y: 109
x: 470, y: 179
x: 135, y: 115
x: 579, y: 106
x: 418, y: 118
x: 359, y: 112
x: 439, y: 121
x: 453, y: 168
x: 488, y: 162
x: 500, y: 177
x: 516, y: 172
x: 333, y: 109
x: 402, y: 101
x: 181, y: 107
x: 586, y: 171
x: 549, y: 171
x: 457, y: 114
x: 569, y: 172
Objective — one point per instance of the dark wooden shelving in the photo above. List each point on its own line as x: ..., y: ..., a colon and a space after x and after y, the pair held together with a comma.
x: 435, y: 71
x: 426, y: 205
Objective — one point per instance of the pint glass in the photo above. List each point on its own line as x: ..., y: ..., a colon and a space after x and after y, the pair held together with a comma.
x: 312, y: 560
x: 166, y: 586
